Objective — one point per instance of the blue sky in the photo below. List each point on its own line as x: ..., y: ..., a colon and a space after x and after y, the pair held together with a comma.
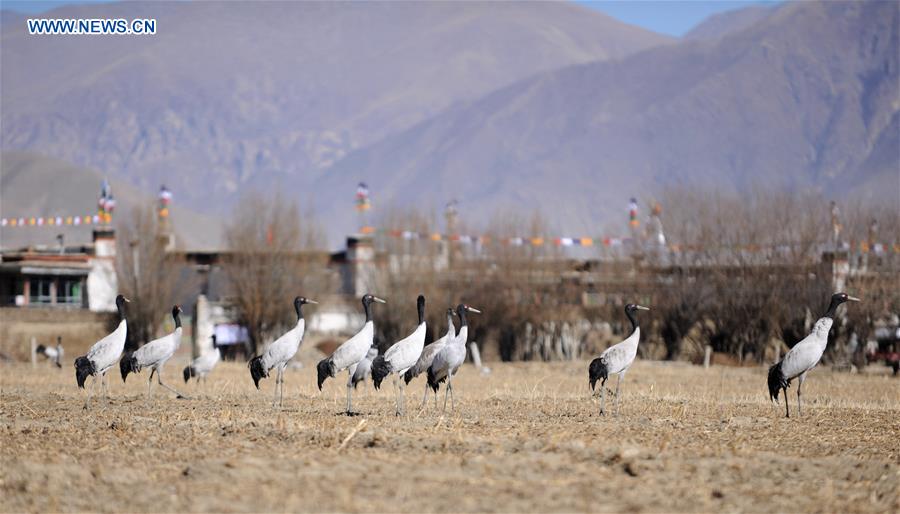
x: 673, y: 17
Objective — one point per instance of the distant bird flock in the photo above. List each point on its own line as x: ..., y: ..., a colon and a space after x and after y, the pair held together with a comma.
x: 403, y: 361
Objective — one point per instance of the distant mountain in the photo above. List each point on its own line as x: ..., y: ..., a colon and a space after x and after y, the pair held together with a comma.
x: 806, y: 99
x: 9, y: 18
x: 730, y: 22
x: 31, y: 185
x: 231, y: 95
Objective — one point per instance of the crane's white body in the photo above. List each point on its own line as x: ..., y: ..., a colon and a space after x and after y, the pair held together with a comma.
x: 406, y: 352
x: 354, y: 350
x: 451, y: 357
x: 364, y: 368
x: 53, y: 354
x: 806, y: 354
x: 106, y: 352
x: 205, y: 363
x: 285, y: 347
x: 430, y: 352
x: 156, y: 353
x: 620, y: 356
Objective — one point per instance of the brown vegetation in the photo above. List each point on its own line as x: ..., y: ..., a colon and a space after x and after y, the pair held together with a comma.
x: 148, y: 273
x: 525, y: 438
x: 269, y: 259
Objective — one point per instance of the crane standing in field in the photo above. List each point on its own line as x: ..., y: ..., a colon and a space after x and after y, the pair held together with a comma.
x: 428, y: 355
x: 447, y: 362
x: 203, y: 364
x: 53, y: 354
x: 401, y: 356
x: 280, y: 352
x: 103, y: 354
x: 154, y: 355
x: 351, y: 353
x: 804, y: 356
x: 616, y: 359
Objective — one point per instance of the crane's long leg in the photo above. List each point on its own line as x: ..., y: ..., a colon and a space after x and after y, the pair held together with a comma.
x: 350, y: 371
x: 159, y: 379
x: 277, y: 384
x: 618, y: 383
x: 787, y: 410
x: 450, y: 390
x: 799, y: 385
x: 425, y: 397
x: 90, y: 391
x: 402, y: 394
x: 103, y: 379
x: 396, y: 396
x: 281, y: 389
x: 150, y: 382
x: 602, y: 396
x: 446, y: 392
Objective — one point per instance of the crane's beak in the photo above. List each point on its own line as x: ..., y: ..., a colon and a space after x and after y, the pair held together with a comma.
x: 312, y: 301
x: 126, y: 300
x: 473, y: 309
x: 379, y: 300
x: 853, y: 299
x: 641, y: 308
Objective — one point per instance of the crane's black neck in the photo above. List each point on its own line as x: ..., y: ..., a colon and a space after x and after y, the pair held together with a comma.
x: 832, y: 307
x: 461, y: 312
x: 176, y: 315
x: 420, y: 307
x: 120, y: 306
x: 634, y: 321
x: 450, y: 321
x: 298, y: 307
x: 367, y: 306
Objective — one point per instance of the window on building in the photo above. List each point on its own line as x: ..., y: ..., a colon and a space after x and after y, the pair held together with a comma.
x: 69, y: 291
x: 40, y: 290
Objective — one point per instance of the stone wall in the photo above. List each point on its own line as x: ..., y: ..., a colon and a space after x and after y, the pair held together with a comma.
x: 79, y: 329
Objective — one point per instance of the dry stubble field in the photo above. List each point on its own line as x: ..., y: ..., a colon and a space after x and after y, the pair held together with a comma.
x: 525, y: 438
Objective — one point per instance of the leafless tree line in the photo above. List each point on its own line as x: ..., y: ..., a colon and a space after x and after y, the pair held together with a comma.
x: 748, y: 273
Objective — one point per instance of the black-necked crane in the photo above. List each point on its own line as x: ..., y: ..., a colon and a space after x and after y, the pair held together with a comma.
x: 351, y: 352
x: 428, y: 355
x: 203, y: 364
x: 154, y: 355
x: 804, y: 356
x: 616, y: 359
x: 53, y: 354
x: 104, y: 353
x: 280, y: 352
x: 447, y: 362
x: 400, y: 357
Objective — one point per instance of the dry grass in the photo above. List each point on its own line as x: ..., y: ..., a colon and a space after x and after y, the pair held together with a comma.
x: 525, y: 438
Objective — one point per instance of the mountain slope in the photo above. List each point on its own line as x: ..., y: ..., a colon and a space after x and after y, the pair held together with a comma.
x: 247, y: 94
x: 807, y: 100
x: 730, y: 22
x: 31, y: 185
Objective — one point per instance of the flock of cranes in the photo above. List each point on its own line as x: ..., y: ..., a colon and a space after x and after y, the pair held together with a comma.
x: 406, y: 359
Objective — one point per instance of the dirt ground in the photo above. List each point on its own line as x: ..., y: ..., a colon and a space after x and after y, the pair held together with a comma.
x: 526, y: 438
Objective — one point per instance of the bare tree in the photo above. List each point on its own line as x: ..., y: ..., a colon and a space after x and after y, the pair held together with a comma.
x: 272, y: 257
x: 147, y: 272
